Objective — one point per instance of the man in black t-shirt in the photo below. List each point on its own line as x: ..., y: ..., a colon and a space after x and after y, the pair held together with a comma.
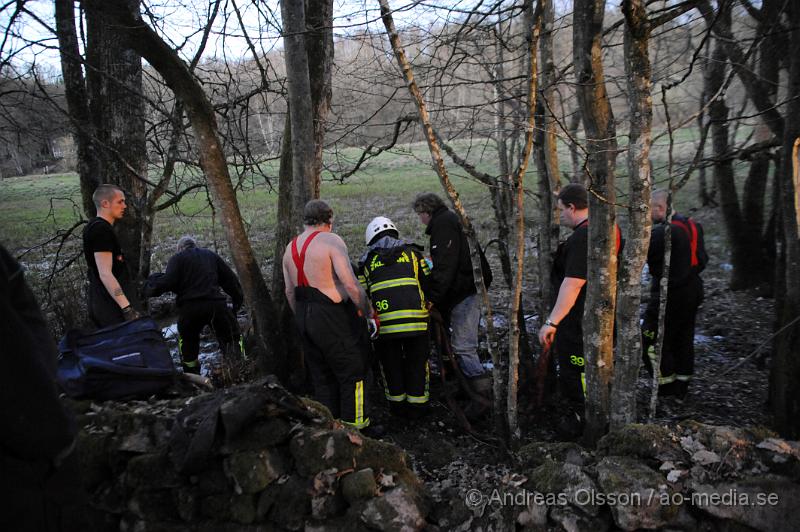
x: 196, y: 276
x: 108, y: 273
x: 563, y: 329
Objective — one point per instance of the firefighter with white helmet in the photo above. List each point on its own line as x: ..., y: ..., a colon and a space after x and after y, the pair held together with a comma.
x: 393, y: 272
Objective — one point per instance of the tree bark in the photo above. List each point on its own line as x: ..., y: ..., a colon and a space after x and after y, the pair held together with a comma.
x: 547, y: 163
x: 319, y: 49
x: 640, y: 110
x: 77, y: 102
x: 519, y: 236
x: 601, y: 282
x: 114, y: 83
x: 178, y: 77
x: 301, y: 115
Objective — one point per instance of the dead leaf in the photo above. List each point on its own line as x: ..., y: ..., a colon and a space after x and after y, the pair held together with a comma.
x: 355, y: 439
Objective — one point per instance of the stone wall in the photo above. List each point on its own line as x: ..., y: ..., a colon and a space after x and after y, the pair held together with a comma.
x: 252, y: 457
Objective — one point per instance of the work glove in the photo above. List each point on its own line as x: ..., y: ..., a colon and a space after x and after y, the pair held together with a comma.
x: 130, y: 313
x: 374, y: 327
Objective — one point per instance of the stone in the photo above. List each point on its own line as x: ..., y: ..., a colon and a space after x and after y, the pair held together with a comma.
x: 652, y: 442
x: 152, y: 470
x: 141, y: 433
x: 394, y: 511
x: 637, y: 495
x: 243, y: 509
x: 572, y: 520
x: 535, y: 454
x: 317, y: 450
x: 566, y: 482
x: 766, y: 503
x: 267, y: 432
x: 359, y: 485
x: 186, y: 503
x: 292, y: 503
x: 92, y: 452
x: 153, y: 505
x: 252, y: 471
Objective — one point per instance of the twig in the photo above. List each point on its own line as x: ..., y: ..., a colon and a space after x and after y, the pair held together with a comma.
x: 762, y: 344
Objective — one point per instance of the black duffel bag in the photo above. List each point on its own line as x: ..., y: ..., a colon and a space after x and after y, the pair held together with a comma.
x: 129, y: 359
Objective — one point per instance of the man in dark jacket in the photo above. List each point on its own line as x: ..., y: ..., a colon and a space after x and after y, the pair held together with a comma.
x: 684, y: 295
x: 452, y: 289
x: 40, y: 486
x: 196, y: 275
x: 393, y: 273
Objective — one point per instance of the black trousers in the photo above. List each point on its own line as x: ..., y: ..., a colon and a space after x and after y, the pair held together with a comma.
x: 333, y: 342
x: 193, y: 315
x: 404, y: 363
x: 103, y: 310
x: 571, y: 377
x: 677, y: 355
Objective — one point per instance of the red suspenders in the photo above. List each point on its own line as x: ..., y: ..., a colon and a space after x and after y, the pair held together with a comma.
x: 300, y: 258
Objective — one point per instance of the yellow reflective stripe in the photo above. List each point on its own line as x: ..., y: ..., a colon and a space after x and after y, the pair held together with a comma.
x: 667, y: 380
x: 362, y: 425
x: 391, y: 283
x: 683, y: 378
x: 395, y: 398
x: 419, y: 286
x: 241, y: 347
x: 363, y: 282
x: 191, y: 363
x: 404, y: 327
x: 400, y: 314
x: 180, y: 345
x: 421, y: 399
x: 359, y: 397
x: 583, y: 383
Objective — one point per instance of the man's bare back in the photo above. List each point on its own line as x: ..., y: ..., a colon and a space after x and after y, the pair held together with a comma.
x: 327, y: 267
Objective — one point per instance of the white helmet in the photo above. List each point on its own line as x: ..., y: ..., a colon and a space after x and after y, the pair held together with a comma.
x: 378, y: 225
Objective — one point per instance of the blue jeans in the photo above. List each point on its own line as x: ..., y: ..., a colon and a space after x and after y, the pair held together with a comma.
x: 464, y: 320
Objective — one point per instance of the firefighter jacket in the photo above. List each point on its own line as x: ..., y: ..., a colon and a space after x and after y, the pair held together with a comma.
x: 394, y: 274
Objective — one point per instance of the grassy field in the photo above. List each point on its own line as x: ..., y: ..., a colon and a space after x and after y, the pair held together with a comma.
x: 35, y: 209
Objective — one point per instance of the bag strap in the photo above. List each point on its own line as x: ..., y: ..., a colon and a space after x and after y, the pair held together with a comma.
x: 300, y: 258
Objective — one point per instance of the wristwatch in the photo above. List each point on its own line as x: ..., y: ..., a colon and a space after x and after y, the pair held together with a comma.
x: 551, y: 324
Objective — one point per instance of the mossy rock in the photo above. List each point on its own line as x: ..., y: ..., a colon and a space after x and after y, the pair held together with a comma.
x: 567, y: 481
x: 644, y: 441
x: 152, y: 470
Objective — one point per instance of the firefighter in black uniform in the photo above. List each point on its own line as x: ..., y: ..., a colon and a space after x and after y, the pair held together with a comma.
x: 196, y: 275
x: 684, y: 295
x: 393, y: 273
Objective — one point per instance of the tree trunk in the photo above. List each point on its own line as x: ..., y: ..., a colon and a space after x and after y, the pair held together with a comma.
x: 519, y: 236
x: 77, y: 103
x: 290, y: 368
x: 319, y: 48
x: 212, y: 160
x: 301, y: 115
x: 640, y: 110
x: 601, y: 282
x: 114, y: 83
x: 784, y: 388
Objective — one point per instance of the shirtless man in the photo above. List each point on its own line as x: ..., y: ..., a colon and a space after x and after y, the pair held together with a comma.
x: 325, y: 296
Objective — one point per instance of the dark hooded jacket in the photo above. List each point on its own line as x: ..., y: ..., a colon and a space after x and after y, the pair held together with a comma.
x: 451, y: 278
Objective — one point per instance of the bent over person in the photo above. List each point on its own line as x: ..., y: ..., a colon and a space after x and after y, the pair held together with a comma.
x: 325, y: 297
x: 393, y: 273
x: 196, y: 276
x: 109, y: 278
x: 684, y: 295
